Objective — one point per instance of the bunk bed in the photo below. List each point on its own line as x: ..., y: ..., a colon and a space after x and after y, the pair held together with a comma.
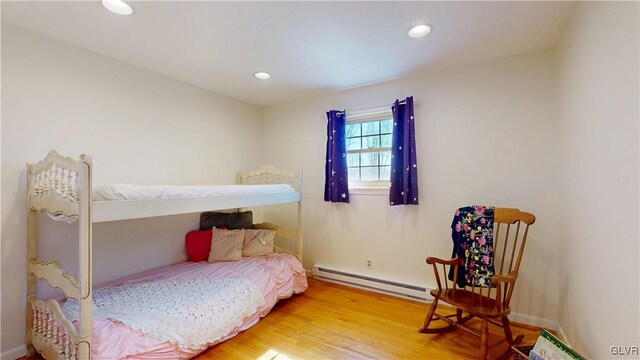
x: 62, y: 188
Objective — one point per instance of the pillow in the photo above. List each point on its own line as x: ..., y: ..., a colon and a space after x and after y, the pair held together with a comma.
x: 258, y: 242
x: 239, y: 220
x: 226, y: 245
x: 198, y: 245
x: 211, y: 219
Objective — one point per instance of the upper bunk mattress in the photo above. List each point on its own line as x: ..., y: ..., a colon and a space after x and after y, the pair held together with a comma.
x: 110, y: 192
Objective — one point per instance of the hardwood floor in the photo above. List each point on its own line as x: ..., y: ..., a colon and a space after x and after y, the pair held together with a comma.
x: 331, y: 321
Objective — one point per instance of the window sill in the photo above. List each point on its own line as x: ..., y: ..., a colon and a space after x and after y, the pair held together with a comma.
x: 370, y: 190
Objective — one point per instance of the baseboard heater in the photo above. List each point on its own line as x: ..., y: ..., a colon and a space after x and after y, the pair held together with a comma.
x: 394, y: 288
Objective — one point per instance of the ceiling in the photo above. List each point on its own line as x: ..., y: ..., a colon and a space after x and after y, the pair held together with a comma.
x: 309, y: 48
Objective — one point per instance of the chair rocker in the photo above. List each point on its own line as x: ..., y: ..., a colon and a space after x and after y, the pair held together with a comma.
x: 492, y: 307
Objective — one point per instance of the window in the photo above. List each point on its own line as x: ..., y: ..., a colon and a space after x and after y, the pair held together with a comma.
x: 368, y: 138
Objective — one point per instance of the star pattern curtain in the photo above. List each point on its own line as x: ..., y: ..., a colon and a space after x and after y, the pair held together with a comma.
x: 404, y: 165
x: 336, y: 182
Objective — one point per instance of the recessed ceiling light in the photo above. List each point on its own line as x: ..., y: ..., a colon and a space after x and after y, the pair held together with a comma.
x: 419, y: 31
x: 118, y: 7
x: 262, y: 75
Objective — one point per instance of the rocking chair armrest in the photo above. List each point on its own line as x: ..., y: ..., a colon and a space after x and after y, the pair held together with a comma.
x: 433, y: 260
x: 510, y: 278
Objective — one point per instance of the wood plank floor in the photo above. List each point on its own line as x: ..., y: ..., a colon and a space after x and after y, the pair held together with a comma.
x: 331, y: 321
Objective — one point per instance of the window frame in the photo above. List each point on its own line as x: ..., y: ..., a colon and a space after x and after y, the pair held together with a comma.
x: 372, y: 187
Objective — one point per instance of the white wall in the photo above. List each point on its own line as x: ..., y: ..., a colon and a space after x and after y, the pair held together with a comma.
x: 486, y: 134
x: 140, y: 127
x: 556, y: 136
x: 599, y: 94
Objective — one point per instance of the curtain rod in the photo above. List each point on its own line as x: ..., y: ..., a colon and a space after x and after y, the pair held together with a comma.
x: 383, y: 107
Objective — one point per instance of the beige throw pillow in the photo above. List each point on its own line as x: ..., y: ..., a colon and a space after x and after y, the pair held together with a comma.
x: 226, y: 245
x: 258, y: 242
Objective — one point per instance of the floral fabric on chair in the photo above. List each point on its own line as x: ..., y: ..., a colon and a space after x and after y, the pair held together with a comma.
x: 472, y: 235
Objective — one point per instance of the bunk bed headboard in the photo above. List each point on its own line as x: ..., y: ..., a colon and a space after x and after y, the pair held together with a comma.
x: 61, y: 187
x: 53, y: 184
x: 270, y: 175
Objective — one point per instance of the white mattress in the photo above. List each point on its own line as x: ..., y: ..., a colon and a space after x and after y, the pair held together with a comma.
x: 108, y: 192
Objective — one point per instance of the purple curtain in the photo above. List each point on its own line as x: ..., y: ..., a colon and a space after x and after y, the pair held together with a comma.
x: 404, y: 166
x: 336, y: 183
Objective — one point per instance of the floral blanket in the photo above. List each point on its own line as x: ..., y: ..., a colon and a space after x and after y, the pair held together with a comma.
x: 190, y: 313
x: 472, y: 235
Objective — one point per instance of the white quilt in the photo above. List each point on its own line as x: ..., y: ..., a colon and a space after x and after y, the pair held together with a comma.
x: 190, y: 313
x: 106, y: 192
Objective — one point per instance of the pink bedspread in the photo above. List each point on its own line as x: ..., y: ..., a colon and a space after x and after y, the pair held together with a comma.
x: 278, y: 276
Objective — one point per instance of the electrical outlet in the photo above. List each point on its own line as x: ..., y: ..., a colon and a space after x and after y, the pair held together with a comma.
x: 369, y: 263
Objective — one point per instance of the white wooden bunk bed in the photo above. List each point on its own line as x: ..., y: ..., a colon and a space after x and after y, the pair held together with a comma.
x: 62, y: 188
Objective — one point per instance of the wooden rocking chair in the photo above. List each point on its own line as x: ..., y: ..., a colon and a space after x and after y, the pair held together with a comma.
x: 492, y: 306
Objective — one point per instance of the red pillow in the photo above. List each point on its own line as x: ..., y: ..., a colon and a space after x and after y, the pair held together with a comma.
x: 198, y: 244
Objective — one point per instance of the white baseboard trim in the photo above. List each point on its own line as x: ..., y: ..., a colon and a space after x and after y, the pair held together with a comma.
x: 308, y: 272
x: 15, y: 353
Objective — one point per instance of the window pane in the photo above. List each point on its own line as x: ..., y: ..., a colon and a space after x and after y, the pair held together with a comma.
x: 369, y: 159
x: 371, y: 128
x: 354, y: 174
x: 353, y: 130
x: 385, y: 158
x: 386, y: 141
x: 369, y: 142
x: 384, y: 172
x: 353, y: 160
x: 367, y: 136
x: 353, y: 144
x: 386, y: 126
x: 369, y: 173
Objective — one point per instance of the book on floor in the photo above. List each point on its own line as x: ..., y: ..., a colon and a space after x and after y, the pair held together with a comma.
x: 549, y: 347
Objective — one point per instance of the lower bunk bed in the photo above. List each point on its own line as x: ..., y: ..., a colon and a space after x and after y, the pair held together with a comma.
x: 198, y: 305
